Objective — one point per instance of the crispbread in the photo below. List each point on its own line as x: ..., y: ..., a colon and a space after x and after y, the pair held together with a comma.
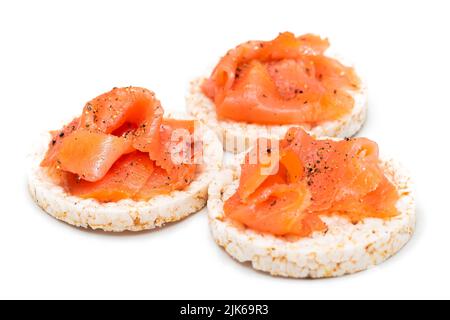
x: 344, y: 249
x: 127, y: 214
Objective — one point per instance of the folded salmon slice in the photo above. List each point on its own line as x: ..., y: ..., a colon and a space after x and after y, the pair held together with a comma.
x: 279, y: 210
x: 175, y: 147
x: 124, y: 180
x: 57, y: 139
x: 91, y: 154
x: 285, y: 81
x: 132, y: 107
x: 174, y: 159
x: 380, y: 203
x: 335, y: 170
x: 315, y: 178
x: 101, y: 154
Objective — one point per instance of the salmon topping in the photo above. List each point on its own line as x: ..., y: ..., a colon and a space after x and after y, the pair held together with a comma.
x: 121, y: 147
x: 289, y: 80
x: 314, y: 178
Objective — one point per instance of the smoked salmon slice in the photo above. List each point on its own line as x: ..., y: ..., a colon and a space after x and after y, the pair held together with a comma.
x: 121, y: 147
x: 175, y: 143
x: 91, y: 154
x: 315, y: 178
x: 285, y: 81
x: 57, y: 139
x: 131, y: 107
x: 124, y: 180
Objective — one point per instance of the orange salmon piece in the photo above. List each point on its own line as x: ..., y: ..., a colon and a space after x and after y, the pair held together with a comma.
x: 90, y: 154
x: 288, y: 80
x: 123, y: 181
x: 315, y: 178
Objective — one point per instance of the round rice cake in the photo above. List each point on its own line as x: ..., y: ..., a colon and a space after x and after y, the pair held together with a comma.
x: 344, y: 249
x: 125, y: 215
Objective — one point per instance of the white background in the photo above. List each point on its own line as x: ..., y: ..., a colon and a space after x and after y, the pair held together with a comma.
x: 56, y: 55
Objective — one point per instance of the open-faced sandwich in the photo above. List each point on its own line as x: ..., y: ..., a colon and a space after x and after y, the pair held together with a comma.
x: 261, y: 89
x: 121, y: 165
x: 312, y: 208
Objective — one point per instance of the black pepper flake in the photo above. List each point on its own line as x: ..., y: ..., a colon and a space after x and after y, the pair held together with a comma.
x: 61, y: 134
